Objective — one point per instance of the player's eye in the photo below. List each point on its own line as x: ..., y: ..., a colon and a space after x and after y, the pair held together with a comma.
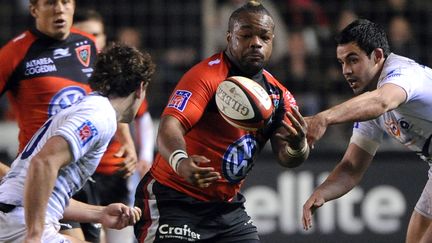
x: 353, y: 60
x: 266, y: 38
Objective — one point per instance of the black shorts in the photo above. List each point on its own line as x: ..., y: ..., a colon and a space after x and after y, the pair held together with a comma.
x: 111, y: 189
x: 172, y: 216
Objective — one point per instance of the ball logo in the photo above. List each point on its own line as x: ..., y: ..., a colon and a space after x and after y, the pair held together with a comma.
x: 65, y: 98
x: 238, y: 159
x: 229, y: 101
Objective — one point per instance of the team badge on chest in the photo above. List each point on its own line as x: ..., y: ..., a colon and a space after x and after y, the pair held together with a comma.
x: 83, y: 54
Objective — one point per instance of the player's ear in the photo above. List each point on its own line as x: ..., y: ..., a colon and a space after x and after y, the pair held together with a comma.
x: 142, y: 90
x: 32, y: 9
x: 228, y: 36
x: 378, y: 55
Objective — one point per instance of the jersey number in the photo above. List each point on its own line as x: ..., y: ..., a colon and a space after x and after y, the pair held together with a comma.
x: 35, y: 140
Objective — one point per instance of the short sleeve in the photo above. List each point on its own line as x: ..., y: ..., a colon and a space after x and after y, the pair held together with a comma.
x: 369, y: 129
x: 190, y: 98
x: 85, y: 131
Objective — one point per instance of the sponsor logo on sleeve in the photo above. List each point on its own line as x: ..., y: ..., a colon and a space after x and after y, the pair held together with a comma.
x: 86, y: 132
x: 179, y: 99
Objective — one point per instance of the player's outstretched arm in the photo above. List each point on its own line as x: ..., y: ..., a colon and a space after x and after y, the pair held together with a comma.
x: 115, y: 215
x: 363, y: 107
x: 289, y: 142
x: 344, y: 177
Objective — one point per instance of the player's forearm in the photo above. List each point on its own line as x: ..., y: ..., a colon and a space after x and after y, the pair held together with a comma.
x: 123, y: 134
x: 3, y: 169
x: 38, y: 188
x: 364, y: 107
x: 170, y: 136
x: 341, y: 180
x: 83, y: 212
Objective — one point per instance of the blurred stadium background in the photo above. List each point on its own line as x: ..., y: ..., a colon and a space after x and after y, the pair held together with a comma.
x: 180, y: 33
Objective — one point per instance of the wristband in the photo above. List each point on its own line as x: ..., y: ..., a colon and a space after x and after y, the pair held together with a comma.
x: 297, y: 152
x: 175, y: 158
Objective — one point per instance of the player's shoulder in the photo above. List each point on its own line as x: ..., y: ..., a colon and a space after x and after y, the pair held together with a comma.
x: 17, y: 48
x: 77, y: 33
x: 209, y: 71
x: 97, y: 109
x: 273, y: 81
x: 21, y: 41
x: 210, y: 68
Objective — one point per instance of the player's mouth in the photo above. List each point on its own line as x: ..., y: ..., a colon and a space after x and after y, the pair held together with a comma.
x: 60, y: 23
x: 352, y: 82
x: 255, y: 56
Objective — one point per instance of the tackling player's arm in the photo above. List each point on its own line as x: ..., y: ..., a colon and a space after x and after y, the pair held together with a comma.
x: 41, y: 177
x: 127, y: 150
x: 115, y: 215
x: 289, y: 141
x: 344, y: 177
x: 172, y: 147
x: 363, y: 107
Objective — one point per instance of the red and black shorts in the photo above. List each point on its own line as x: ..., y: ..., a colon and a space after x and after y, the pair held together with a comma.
x: 172, y: 216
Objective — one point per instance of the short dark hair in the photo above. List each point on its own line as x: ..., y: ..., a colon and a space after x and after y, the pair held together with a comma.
x: 249, y: 7
x: 120, y: 69
x: 82, y: 15
x: 33, y: 2
x: 366, y: 34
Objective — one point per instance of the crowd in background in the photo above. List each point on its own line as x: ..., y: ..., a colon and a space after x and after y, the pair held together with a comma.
x: 179, y: 33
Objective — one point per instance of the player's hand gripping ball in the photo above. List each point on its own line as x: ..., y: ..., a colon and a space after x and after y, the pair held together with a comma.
x: 243, y: 103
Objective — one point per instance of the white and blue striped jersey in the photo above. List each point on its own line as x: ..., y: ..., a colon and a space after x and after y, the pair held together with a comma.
x: 88, y: 127
x: 411, y: 122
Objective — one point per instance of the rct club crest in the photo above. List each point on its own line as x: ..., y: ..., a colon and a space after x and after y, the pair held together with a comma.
x: 83, y: 54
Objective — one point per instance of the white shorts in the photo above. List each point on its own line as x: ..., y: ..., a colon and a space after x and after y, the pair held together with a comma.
x: 424, y: 204
x: 13, y: 228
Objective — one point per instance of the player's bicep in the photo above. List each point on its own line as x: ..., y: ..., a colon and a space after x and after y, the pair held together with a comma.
x: 56, y: 152
x: 393, y: 95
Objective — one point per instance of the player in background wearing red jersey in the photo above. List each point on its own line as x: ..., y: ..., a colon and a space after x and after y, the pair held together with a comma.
x: 46, y: 69
x: 114, y: 179
x: 192, y: 190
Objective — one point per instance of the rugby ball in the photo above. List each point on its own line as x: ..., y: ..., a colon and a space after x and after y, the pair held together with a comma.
x: 243, y: 103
